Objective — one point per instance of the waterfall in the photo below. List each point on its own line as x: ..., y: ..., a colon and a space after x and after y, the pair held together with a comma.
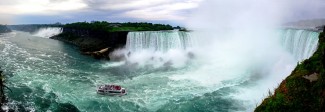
x: 300, y: 43
x: 48, y: 32
x: 160, y: 41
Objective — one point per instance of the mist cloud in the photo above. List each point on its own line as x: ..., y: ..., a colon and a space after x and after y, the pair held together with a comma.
x: 238, y: 39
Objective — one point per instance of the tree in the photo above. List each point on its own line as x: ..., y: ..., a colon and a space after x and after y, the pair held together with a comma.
x: 2, y: 88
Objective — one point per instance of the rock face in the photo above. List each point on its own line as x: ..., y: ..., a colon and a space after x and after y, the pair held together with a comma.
x: 313, y: 77
x: 304, y: 89
x: 104, y: 53
x: 92, y: 41
x: 4, y: 29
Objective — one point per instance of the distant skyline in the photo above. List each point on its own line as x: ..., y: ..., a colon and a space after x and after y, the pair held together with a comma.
x: 174, y: 12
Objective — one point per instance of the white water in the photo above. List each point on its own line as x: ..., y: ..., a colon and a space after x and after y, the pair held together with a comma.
x: 238, y: 40
x: 159, y: 48
x: 57, y: 73
x: 300, y: 43
x: 220, y: 66
x: 159, y: 41
x: 48, y: 32
x: 237, y: 48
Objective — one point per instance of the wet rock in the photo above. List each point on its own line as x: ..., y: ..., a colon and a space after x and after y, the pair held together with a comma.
x: 313, y: 77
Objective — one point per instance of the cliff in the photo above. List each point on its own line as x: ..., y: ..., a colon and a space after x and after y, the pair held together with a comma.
x: 96, y: 36
x: 4, y: 29
x: 304, y: 89
x: 92, y: 41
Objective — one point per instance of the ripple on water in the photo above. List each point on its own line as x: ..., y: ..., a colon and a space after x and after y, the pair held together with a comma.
x: 57, y: 78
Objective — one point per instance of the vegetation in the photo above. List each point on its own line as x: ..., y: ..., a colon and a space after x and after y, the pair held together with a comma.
x: 4, y: 29
x: 112, y: 27
x: 97, y: 35
x: 298, y: 93
x: 143, y: 27
x: 2, y: 90
x: 33, y: 27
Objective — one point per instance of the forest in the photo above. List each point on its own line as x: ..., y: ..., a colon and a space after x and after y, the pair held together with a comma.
x: 112, y: 27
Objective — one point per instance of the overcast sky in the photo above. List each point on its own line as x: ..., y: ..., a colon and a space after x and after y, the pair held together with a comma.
x: 158, y: 11
x: 51, y: 11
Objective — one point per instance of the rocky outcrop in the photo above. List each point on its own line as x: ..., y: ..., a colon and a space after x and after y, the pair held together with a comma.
x: 304, y: 89
x: 4, y: 29
x: 104, y: 53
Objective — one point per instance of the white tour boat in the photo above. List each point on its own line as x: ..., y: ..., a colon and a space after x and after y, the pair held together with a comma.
x: 109, y: 89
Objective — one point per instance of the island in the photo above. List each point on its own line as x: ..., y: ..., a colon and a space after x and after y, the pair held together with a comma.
x: 99, y: 38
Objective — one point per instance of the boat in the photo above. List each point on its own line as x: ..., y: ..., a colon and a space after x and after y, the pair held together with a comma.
x: 110, y: 89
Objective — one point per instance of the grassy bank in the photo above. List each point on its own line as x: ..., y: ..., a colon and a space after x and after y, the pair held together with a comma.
x: 104, y: 26
x: 303, y: 90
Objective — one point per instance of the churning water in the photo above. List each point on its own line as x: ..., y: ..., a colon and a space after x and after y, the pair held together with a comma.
x: 48, y: 75
x: 48, y: 32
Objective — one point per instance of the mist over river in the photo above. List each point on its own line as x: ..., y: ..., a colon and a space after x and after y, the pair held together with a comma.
x: 46, y: 74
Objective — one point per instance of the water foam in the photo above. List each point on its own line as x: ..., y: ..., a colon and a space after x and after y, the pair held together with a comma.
x: 158, y: 48
x: 160, y: 41
x: 60, y: 75
x: 300, y: 43
x: 48, y: 32
x: 238, y: 40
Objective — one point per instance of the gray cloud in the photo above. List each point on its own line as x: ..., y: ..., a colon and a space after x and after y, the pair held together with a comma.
x: 145, y: 9
x: 55, y: 1
x: 306, y: 9
x: 150, y: 10
x: 140, y: 10
x: 6, y: 19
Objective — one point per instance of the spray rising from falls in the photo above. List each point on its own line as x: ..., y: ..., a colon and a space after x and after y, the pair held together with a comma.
x: 160, y: 48
x: 300, y: 43
x: 160, y: 41
x: 48, y: 32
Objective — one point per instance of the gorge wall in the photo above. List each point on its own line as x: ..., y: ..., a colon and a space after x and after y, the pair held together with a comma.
x: 92, y: 40
x: 304, y: 89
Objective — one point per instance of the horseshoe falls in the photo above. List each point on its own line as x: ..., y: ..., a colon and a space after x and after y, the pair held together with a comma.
x: 48, y: 75
x: 159, y: 48
x: 300, y: 43
x: 160, y: 41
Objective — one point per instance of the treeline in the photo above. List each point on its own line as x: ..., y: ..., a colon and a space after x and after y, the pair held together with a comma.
x: 4, y: 29
x: 147, y: 26
x: 93, y: 26
x: 99, y: 26
x: 112, y: 27
x: 33, y: 27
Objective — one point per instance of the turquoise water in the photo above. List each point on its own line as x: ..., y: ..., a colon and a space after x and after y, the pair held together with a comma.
x: 48, y: 75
